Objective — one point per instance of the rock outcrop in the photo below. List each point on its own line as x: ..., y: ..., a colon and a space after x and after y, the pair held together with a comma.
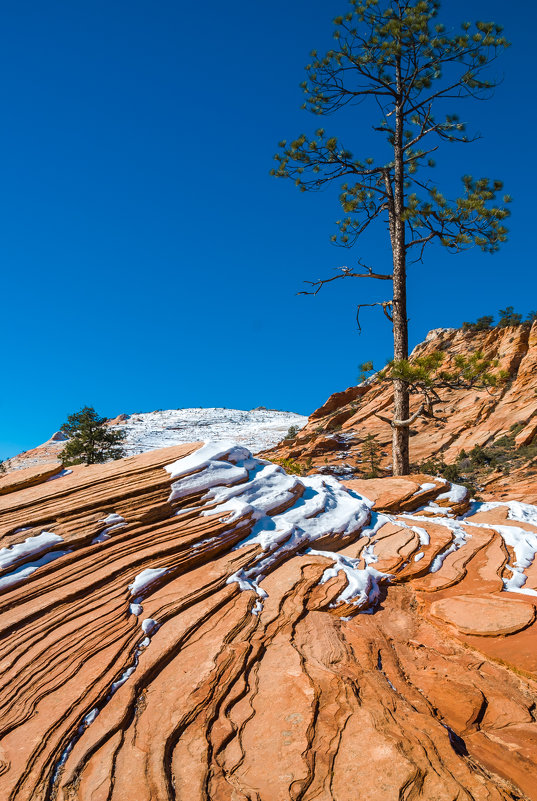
x: 333, y: 438
x: 193, y: 623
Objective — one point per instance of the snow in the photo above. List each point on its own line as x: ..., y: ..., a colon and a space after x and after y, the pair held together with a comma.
x: 427, y: 486
x: 113, y: 519
x: 460, y: 537
x: 324, y: 506
x: 419, y: 556
x: 116, y: 521
x: 363, y: 584
x: 24, y: 571
x: 522, y: 541
x: 61, y: 474
x: 524, y: 544
x: 147, y: 577
x: 256, y: 429
x: 102, y: 537
x: 149, y: 626
x: 455, y: 494
x: 24, y: 558
x: 31, y: 547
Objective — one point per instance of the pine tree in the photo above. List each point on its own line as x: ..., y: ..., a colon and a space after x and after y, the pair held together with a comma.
x: 394, y: 54
x: 91, y: 441
x: 371, y: 455
x: 509, y: 317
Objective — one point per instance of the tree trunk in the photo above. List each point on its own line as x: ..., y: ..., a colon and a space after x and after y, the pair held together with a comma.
x: 400, y: 455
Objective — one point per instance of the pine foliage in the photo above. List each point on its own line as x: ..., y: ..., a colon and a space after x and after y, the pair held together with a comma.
x: 91, y: 441
x: 395, y: 52
x: 371, y: 456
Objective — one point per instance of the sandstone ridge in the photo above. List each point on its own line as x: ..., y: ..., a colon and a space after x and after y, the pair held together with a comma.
x: 194, y: 623
x: 332, y: 440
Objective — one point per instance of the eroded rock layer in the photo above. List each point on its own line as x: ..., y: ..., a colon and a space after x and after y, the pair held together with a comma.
x: 193, y: 623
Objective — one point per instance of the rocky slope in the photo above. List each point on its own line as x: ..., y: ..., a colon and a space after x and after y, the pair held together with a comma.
x: 334, y: 436
x: 192, y: 623
x: 256, y: 429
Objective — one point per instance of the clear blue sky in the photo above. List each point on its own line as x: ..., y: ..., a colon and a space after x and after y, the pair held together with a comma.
x: 150, y: 261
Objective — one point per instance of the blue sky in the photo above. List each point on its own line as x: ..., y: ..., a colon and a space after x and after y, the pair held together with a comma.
x: 149, y: 259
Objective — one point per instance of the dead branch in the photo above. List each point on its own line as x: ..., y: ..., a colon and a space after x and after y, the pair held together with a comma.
x: 386, y: 304
x: 346, y: 272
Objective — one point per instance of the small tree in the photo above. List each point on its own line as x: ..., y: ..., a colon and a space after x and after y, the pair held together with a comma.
x: 292, y: 431
x: 481, y: 324
x: 394, y: 55
x: 509, y: 317
x: 371, y: 455
x: 91, y: 441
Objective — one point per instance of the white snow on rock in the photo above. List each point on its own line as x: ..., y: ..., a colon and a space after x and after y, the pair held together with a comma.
x: 520, y: 540
x: 256, y: 429
x: 32, y: 547
x: 144, y: 579
x: 322, y: 506
x: 22, y: 572
x: 455, y: 494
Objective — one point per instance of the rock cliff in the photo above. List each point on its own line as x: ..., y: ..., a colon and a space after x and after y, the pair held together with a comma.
x: 333, y: 438
x: 193, y: 623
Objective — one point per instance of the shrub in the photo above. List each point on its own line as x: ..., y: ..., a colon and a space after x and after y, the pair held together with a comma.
x: 292, y: 431
x: 481, y: 324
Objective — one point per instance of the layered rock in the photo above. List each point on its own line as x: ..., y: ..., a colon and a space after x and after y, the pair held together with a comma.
x: 334, y: 436
x: 193, y: 623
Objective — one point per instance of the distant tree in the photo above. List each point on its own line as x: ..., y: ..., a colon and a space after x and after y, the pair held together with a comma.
x: 481, y: 324
x: 371, y: 455
x: 91, y: 441
x: 532, y: 317
x: 394, y: 54
x: 292, y: 431
x: 509, y: 317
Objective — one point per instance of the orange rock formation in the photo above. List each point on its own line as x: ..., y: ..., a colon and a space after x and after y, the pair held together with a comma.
x: 195, y: 624
x: 335, y: 433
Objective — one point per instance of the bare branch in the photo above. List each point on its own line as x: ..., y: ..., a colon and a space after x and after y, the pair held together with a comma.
x: 386, y: 304
x: 346, y: 272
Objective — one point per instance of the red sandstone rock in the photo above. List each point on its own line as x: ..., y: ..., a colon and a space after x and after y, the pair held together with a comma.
x: 296, y: 695
x: 489, y: 616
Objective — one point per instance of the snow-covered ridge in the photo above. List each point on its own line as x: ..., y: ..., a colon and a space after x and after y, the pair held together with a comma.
x: 256, y: 429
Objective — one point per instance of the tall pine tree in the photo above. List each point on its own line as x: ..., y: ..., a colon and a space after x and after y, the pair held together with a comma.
x: 395, y: 54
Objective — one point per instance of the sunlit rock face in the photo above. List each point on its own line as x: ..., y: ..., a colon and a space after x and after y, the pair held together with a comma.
x: 333, y: 438
x: 194, y: 623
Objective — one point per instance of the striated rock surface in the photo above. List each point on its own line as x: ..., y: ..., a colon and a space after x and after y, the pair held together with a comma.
x: 334, y: 436
x: 193, y: 623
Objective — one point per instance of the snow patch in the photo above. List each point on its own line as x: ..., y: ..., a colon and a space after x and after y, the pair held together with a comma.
x: 31, y: 547
x: 146, y: 578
